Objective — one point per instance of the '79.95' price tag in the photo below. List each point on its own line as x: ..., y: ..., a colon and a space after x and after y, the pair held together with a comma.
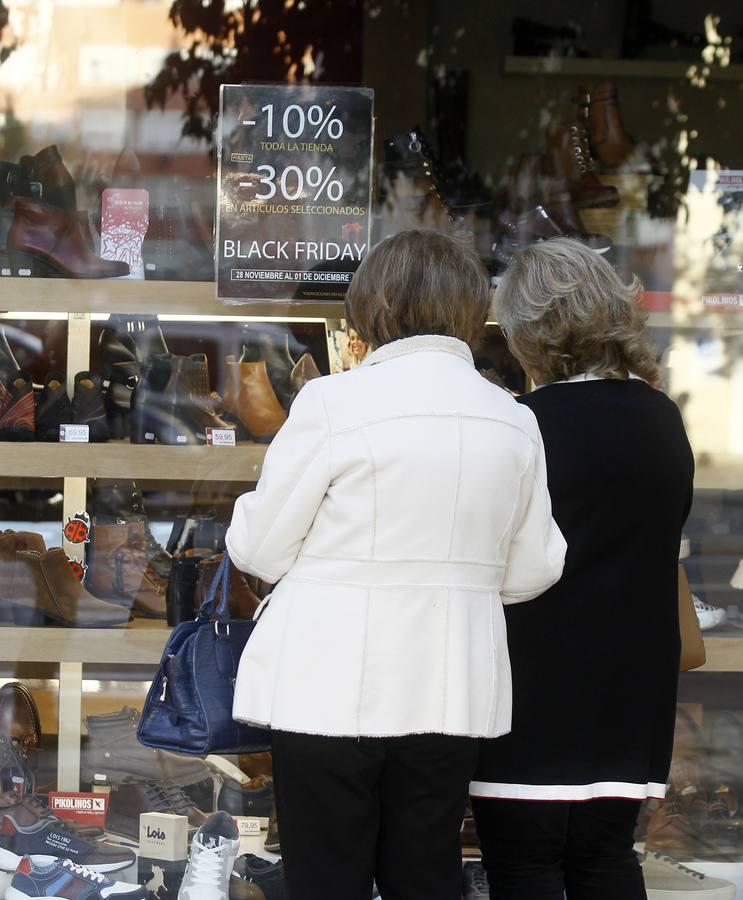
x: 74, y: 434
x: 220, y: 437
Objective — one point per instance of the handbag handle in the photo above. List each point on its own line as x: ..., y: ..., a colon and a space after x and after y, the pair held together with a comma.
x: 221, y: 580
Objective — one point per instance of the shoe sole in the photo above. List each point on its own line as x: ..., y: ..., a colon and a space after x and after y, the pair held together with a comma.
x: 14, y: 894
x: 9, y: 862
x: 723, y: 893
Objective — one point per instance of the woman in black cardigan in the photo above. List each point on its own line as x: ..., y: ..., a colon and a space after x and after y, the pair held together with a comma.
x: 595, y: 659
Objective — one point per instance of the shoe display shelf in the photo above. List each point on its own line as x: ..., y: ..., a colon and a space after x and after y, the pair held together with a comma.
x: 612, y: 68
x: 83, y: 302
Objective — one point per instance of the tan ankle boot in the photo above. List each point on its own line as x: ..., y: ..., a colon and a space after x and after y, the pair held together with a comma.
x: 45, y: 590
x: 250, y: 398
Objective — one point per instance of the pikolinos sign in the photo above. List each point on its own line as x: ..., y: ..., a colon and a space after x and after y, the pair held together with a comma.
x: 294, y: 190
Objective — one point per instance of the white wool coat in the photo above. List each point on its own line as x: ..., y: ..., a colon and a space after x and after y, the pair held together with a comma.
x: 400, y: 506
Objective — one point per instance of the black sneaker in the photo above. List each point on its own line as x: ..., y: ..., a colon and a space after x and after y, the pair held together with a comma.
x: 49, y: 838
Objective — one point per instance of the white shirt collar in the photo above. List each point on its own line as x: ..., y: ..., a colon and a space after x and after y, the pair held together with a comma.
x: 585, y: 376
x: 423, y: 343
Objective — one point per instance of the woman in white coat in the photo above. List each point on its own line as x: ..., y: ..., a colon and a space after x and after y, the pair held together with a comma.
x: 399, y: 507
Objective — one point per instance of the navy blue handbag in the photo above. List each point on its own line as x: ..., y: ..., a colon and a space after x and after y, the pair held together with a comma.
x: 189, y: 705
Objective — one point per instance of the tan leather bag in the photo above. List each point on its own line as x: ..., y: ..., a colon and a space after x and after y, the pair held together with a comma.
x: 693, y: 654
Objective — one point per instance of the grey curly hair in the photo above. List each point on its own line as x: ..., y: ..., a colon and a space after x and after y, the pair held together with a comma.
x: 565, y: 311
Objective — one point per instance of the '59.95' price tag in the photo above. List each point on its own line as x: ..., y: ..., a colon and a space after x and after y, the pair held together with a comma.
x: 220, y: 437
x: 74, y: 434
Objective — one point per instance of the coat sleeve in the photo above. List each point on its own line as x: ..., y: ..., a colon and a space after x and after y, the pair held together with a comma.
x: 269, y: 524
x: 537, y: 553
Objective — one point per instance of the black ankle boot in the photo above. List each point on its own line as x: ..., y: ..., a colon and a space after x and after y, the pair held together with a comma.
x: 88, y: 407
x: 53, y: 408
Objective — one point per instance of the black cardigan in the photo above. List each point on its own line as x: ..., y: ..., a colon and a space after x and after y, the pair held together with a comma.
x: 595, y: 658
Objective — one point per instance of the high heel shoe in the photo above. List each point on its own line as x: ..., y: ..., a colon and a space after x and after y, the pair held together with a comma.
x: 18, y: 416
x: 45, y: 590
x: 53, y: 408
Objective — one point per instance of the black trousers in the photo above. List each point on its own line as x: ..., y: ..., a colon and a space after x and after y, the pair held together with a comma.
x: 354, y: 809
x: 534, y: 850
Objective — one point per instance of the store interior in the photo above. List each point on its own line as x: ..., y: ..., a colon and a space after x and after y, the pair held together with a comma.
x: 504, y: 123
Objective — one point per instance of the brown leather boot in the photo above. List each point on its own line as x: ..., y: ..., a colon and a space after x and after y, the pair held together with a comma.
x: 45, y: 590
x: 50, y: 241
x: 250, y: 398
x: 202, y: 411
x: 119, y: 569
x: 10, y: 543
x: 19, y: 716
x: 242, y: 602
x: 598, y: 110
x: 573, y: 166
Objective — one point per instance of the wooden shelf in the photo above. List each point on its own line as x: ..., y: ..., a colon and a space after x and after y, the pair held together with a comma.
x: 187, y: 298
x: 120, y: 459
x: 141, y: 642
x: 613, y: 68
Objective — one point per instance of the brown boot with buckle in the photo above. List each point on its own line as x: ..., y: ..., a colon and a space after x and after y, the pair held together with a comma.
x: 572, y: 164
x: 45, y: 590
x: 120, y: 571
x: 251, y: 400
x: 598, y: 110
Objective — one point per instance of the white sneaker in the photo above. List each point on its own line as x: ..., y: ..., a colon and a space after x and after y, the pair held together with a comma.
x: 213, y: 853
x: 709, y: 616
x: 666, y: 879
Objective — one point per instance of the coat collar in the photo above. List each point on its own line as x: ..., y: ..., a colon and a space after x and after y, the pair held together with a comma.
x: 423, y: 343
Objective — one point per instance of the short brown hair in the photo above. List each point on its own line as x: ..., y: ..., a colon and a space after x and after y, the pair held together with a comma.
x: 565, y: 311
x: 419, y: 282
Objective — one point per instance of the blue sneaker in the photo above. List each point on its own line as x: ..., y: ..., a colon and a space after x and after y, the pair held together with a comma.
x: 475, y: 881
x: 65, y: 880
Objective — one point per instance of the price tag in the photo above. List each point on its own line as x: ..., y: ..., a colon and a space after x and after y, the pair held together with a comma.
x: 74, y: 434
x: 220, y: 437
x: 247, y: 826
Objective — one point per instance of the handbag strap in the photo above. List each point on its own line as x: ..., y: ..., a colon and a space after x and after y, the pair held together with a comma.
x: 221, y: 581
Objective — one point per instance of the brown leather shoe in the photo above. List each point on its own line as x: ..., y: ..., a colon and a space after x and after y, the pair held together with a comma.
x: 19, y: 717
x: 120, y: 571
x: 50, y: 241
x: 250, y: 399
x: 254, y: 764
x: 45, y: 590
x: 573, y: 166
x: 672, y: 826
x: 27, y: 811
